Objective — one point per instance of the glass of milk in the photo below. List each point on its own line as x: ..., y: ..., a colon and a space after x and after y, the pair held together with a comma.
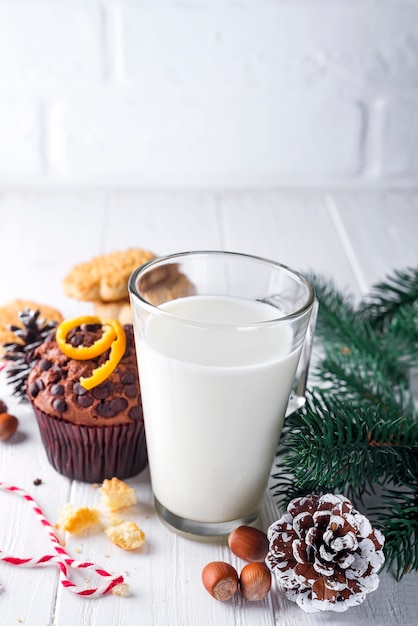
x: 219, y: 336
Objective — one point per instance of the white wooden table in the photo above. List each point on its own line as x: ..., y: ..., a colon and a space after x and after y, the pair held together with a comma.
x: 354, y: 237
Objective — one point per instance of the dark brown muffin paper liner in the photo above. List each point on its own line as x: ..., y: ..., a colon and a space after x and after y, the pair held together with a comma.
x: 91, y: 454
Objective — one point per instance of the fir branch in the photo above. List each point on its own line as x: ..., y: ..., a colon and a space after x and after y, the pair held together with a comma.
x: 336, y: 321
x: 366, y: 379
x: 401, y: 337
x: 342, y: 331
x: 360, y: 430
x: 397, y: 517
x: 333, y: 447
x: 398, y: 291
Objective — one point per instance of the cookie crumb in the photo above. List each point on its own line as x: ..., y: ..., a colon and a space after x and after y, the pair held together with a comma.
x: 121, y: 590
x: 116, y: 494
x: 76, y: 520
x: 127, y: 535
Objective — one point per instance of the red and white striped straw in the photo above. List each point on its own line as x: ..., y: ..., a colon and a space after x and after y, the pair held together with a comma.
x: 62, y: 559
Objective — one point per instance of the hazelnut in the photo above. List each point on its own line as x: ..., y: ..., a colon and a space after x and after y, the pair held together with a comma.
x: 220, y: 580
x: 255, y: 581
x: 8, y: 425
x: 248, y: 543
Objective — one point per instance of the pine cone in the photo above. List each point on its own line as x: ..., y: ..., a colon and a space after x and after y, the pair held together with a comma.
x: 325, y: 553
x: 19, y: 354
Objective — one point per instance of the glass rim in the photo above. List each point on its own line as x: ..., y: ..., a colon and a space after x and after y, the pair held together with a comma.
x: 156, y: 310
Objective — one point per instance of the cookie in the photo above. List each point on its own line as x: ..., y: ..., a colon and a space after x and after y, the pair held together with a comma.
x: 120, y: 310
x: 167, y: 283
x: 105, y: 277
x: 9, y: 316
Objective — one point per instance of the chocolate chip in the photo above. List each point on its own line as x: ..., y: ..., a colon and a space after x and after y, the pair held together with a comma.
x: 40, y: 384
x: 131, y: 391
x: 59, y: 405
x: 33, y: 389
x: 101, y: 391
x: 85, y: 401
x: 94, y: 328
x: 37, y: 481
x: 77, y: 340
x: 135, y: 413
x: 118, y: 404
x: 104, y: 409
x: 57, y: 390
x: 128, y: 378
x: 3, y: 407
x: 45, y: 364
x: 78, y: 389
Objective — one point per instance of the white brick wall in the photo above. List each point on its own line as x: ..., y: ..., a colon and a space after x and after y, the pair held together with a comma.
x: 208, y: 92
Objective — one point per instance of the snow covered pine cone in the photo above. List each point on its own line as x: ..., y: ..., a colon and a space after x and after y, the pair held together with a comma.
x: 18, y: 354
x: 325, y: 553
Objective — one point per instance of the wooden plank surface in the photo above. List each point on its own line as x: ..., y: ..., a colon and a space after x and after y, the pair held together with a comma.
x: 355, y: 238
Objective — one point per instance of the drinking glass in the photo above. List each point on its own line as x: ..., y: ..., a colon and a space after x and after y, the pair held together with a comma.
x: 223, y: 342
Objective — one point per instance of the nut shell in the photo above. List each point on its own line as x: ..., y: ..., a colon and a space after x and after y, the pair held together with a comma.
x: 220, y: 580
x: 8, y: 425
x: 249, y: 543
x: 255, y: 581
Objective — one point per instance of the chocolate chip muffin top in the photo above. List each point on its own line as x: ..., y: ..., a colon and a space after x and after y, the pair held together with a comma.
x: 54, y: 387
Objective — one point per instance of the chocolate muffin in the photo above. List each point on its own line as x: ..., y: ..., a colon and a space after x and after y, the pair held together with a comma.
x: 89, y: 435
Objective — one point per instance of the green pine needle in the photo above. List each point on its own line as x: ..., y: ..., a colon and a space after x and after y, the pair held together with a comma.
x: 399, y: 291
x: 397, y: 517
x: 337, y: 313
x: 365, y: 379
x: 336, y: 447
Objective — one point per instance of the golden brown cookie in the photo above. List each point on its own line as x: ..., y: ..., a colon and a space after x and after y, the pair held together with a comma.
x: 120, y: 310
x: 105, y: 277
x: 9, y: 317
x: 166, y: 284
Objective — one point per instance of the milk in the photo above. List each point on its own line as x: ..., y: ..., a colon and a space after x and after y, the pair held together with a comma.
x: 214, y: 400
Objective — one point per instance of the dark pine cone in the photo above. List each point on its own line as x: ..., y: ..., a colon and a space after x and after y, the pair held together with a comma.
x: 325, y: 553
x: 19, y: 354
